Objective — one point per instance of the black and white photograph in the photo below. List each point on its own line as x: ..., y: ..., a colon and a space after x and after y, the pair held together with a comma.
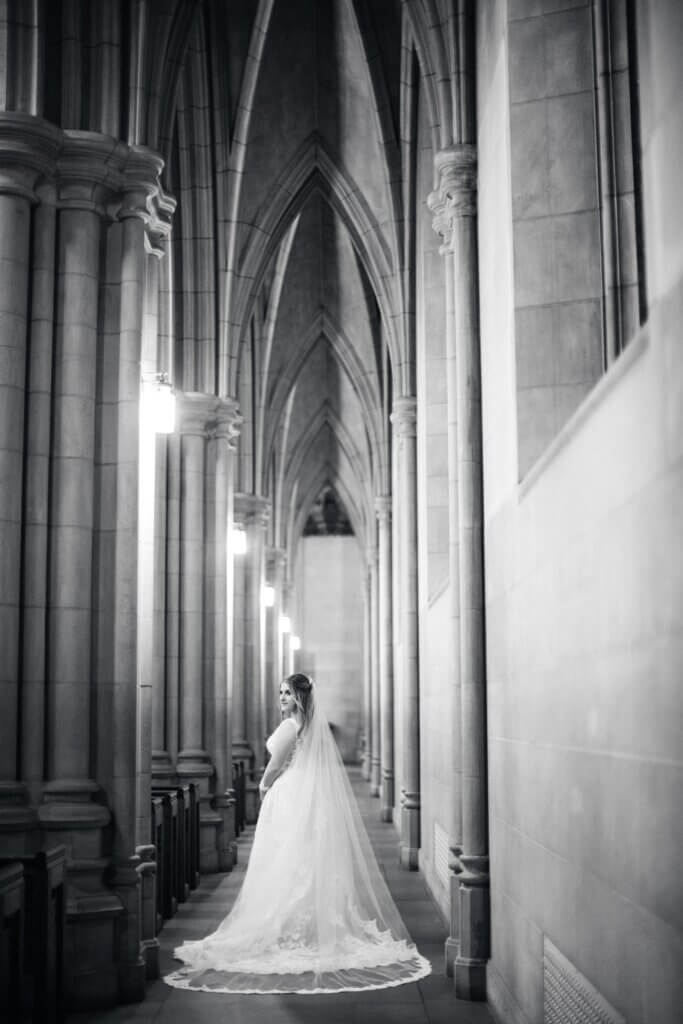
x: 341, y: 511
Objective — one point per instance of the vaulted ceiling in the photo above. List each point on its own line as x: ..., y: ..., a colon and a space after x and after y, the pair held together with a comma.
x: 286, y: 127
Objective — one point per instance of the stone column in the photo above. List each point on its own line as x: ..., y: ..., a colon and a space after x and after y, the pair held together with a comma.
x: 74, y: 810
x: 386, y: 655
x: 404, y: 420
x: 25, y: 151
x: 224, y: 431
x: 129, y: 596
x: 194, y: 762
x: 276, y: 564
x: 286, y: 638
x: 454, y: 206
x: 169, y: 717
x: 241, y: 752
x: 16, y: 196
x: 367, y: 674
x: 36, y: 483
x: 376, y: 713
x: 254, y: 512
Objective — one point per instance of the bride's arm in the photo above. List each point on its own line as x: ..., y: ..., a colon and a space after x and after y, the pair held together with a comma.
x: 281, y: 743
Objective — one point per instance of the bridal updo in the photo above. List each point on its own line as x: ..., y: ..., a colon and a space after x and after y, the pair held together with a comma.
x: 302, y: 688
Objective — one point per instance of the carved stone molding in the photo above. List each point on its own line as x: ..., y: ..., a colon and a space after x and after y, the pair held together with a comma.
x: 251, y: 509
x: 276, y: 559
x: 28, y: 151
x: 456, y: 194
x: 208, y: 416
x: 404, y: 416
x: 90, y: 170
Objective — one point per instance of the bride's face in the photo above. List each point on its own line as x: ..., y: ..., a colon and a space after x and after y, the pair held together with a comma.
x: 287, y: 701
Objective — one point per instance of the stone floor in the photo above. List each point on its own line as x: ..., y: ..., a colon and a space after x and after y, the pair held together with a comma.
x: 430, y: 1001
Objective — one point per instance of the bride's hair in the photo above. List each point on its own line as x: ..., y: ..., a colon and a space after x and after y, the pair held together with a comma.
x: 302, y: 687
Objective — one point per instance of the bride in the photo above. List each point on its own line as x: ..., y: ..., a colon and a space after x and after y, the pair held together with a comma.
x: 314, y: 913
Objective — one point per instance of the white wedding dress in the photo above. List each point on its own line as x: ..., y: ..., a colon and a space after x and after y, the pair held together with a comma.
x: 314, y: 913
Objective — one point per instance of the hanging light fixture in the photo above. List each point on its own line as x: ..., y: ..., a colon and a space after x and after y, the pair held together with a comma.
x: 285, y: 624
x: 268, y: 596
x: 296, y: 643
x: 239, y: 540
x: 158, y: 404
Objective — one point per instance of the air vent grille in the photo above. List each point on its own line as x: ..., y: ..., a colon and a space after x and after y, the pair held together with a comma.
x: 568, y: 997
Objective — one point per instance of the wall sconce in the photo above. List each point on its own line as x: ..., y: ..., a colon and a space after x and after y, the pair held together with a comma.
x: 239, y: 540
x: 285, y: 624
x: 296, y: 643
x: 158, y: 404
x: 268, y: 596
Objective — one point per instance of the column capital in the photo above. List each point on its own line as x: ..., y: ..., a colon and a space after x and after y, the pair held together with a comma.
x: 404, y: 416
x: 28, y: 150
x: 276, y: 560
x: 251, y: 509
x: 226, y: 421
x: 88, y: 170
x: 456, y: 193
x: 383, y: 504
x: 207, y: 415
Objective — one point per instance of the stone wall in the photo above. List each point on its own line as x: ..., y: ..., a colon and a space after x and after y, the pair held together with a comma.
x: 583, y: 586
x: 330, y: 620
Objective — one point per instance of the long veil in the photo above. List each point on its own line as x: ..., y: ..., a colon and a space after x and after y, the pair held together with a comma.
x: 314, y: 913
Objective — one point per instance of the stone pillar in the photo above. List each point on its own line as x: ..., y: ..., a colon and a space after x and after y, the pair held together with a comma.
x: 375, y: 701
x: 36, y: 483
x: 74, y: 810
x: 386, y: 654
x: 241, y: 752
x: 25, y: 152
x: 404, y: 420
x: 454, y: 206
x: 194, y: 762
x: 276, y: 563
x: 221, y: 456
x: 367, y: 674
x: 129, y: 597
x: 254, y: 512
x: 168, y: 721
x: 286, y: 638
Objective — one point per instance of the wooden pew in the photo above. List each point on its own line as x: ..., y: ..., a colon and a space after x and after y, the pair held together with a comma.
x: 167, y: 852
x: 42, y: 979
x: 11, y: 940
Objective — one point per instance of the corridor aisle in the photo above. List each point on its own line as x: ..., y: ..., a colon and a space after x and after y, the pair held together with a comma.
x: 430, y: 1001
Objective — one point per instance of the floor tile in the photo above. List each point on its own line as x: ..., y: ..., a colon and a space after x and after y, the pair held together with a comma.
x: 430, y: 1001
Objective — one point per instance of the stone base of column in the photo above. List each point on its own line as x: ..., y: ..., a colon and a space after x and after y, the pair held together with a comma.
x: 124, y: 880
x: 163, y: 769
x: 387, y: 810
x: 100, y: 916
x: 452, y: 945
x: 210, y: 826
x: 224, y: 806
x: 149, y: 944
x: 252, y: 802
x: 91, y: 977
x: 18, y: 820
x: 475, y: 941
x: 194, y: 765
x: 375, y: 775
x: 410, y: 832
